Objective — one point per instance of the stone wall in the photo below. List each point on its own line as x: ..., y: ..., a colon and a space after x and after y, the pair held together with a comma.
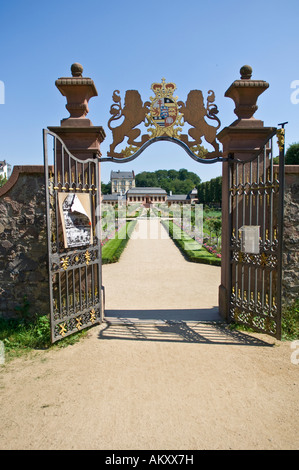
x: 23, y: 242
x: 290, y: 277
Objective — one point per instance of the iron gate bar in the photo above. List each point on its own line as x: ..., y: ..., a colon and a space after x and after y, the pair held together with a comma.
x: 219, y: 158
x: 75, y: 277
x: 253, y: 196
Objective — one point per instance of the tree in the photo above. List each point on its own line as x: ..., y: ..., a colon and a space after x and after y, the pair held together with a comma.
x: 183, y: 174
x: 161, y: 174
x: 292, y: 155
x: 215, y: 225
x: 3, y: 180
x: 172, y: 174
x: 105, y: 188
x: 208, y: 194
x: 201, y: 193
x: 210, y: 191
x: 146, y: 179
x: 218, y: 189
x: 179, y: 182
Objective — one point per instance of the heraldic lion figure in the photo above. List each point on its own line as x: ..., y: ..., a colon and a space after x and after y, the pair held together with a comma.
x: 194, y: 113
x: 134, y: 112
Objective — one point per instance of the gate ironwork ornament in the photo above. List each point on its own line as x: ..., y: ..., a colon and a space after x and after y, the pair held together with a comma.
x: 280, y: 138
x: 164, y: 118
x: 74, y: 239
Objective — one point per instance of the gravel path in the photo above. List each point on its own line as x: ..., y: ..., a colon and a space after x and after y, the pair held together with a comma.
x: 154, y: 281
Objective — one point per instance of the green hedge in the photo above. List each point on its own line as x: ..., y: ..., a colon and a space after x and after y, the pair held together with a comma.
x: 290, y: 321
x: 113, y: 249
x: 188, y: 246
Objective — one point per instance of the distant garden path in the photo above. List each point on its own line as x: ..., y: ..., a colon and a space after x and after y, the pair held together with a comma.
x: 153, y: 281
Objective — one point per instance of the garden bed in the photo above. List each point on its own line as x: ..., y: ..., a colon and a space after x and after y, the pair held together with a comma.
x: 190, y: 248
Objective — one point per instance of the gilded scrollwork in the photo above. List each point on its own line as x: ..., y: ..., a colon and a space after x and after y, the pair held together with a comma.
x: 128, y: 151
x: 280, y: 138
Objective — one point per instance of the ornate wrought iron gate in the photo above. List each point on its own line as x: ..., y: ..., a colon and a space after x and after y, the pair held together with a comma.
x: 74, y: 247
x: 256, y: 190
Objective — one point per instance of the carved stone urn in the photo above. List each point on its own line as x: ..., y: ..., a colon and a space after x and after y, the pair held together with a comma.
x: 77, y: 132
x: 78, y: 90
x: 245, y: 93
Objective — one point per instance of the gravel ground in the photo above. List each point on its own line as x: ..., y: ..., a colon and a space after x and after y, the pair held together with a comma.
x: 160, y: 374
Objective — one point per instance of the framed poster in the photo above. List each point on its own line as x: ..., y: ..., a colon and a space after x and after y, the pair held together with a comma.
x: 76, y: 219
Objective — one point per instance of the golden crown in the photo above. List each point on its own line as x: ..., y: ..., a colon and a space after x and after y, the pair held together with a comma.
x: 163, y: 89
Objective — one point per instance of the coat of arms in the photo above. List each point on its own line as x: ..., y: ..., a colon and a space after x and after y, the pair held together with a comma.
x: 164, y: 117
x: 164, y: 112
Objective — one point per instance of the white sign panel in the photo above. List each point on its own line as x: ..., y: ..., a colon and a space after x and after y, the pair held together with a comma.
x: 250, y: 239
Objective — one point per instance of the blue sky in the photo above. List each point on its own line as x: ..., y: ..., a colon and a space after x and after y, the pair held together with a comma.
x: 131, y: 44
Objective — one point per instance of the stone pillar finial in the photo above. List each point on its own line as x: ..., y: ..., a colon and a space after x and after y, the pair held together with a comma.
x: 78, y: 90
x: 77, y: 132
x: 246, y: 72
x: 76, y: 69
x: 245, y: 92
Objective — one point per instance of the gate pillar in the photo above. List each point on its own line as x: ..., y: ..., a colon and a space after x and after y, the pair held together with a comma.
x: 73, y: 201
x: 240, y: 141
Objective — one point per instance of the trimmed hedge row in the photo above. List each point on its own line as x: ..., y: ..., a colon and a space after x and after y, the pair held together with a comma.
x: 182, y: 240
x: 113, y: 249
